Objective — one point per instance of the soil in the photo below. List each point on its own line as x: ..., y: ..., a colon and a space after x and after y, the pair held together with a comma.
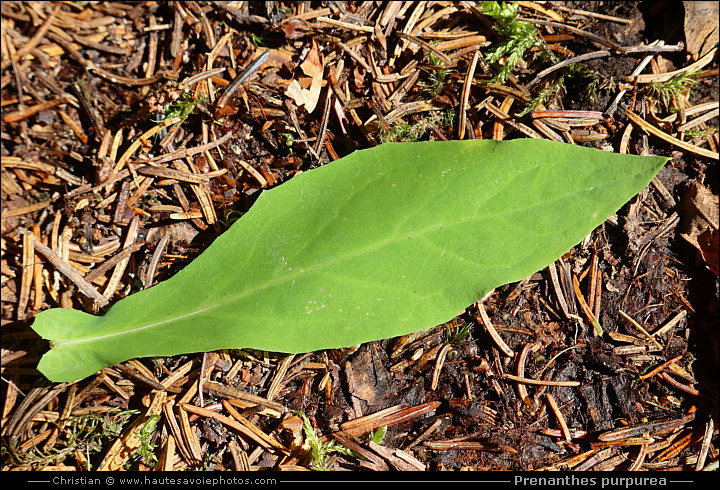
x: 474, y: 418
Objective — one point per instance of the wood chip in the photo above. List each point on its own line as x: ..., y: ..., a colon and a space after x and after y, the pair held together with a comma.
x: 396, y: 458
x: 135, y: 146
x: 258, y: 176
x: 640, y: 328
x: 388, y: 417
x: 119, y: 270
x: 438, y: 366
x: 651, y: 427
x: 172, y: 422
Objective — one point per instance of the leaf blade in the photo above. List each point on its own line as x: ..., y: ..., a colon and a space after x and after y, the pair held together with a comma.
x: 362, y: 249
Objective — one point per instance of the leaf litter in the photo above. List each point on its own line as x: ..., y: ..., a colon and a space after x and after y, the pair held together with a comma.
x: 51, y: 186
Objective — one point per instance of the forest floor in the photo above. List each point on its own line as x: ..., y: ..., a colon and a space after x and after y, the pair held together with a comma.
x: 88, y: 89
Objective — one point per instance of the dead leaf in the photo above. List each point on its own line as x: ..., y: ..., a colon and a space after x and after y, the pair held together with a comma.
x: 699, y: 210
x: 368, y: 382
x: 278, y: 58
x: 701, y: 27
x: 295, y: 29
x: 633, y: 225
x: 182, y: 233
x: 313, y: 67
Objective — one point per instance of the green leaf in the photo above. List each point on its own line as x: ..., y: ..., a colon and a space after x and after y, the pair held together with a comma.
x: 386, y: 241
x: 500, y: 10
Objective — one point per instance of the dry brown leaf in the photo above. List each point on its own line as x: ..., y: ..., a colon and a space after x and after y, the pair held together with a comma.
x: 633, y: 225
x: 278, y: 58
x: 313, y: 67
x: 701, y: 27
x: 368, y: 383
x: 295, y: 29
x: 699, y: 210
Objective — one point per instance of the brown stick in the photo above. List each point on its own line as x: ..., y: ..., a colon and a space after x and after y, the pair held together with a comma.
x: 69, y: 271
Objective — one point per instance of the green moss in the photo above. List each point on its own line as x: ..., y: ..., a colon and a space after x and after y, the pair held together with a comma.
x: 320, y: 450
x: 415, y: 131
x: 518, y: 37
x: 667, y: 92
x: 591, y: 78
x: 183, y: 107
x: 436, y: 78
x: 85, y: 433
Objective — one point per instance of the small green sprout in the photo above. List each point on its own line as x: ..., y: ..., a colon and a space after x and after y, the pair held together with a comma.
x: 461, y: 335
x: 183, y: 107
x: 257, y: 41
x: 35, y: 455
x: 504, y: 11
x: 288, y: 140
x: 320, y: 450
x: 699, y: 133
x: 575, y: 70
x: 93, y: 427
x: 230, y: 216
x: 146, y: 450
x: 667, y: 92
x: 378, y: 434
x: 519, y: 37
x: 436, y: 78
